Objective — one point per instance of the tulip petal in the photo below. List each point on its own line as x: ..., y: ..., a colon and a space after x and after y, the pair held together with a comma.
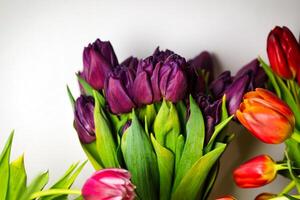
x: 142, y: 91
x: 118, y: 100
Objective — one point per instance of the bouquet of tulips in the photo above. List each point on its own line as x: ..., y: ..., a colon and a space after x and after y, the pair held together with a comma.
x: 274, y: 117
x: 159, y: 121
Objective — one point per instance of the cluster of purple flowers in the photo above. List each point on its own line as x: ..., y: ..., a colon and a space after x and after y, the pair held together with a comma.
x: 165, y: 75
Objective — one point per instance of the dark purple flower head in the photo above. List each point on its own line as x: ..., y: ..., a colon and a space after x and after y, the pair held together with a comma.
x: 84, y: 119
x: 172, y: 78
x: 203, y: 64
x: 220, y: 84
x: 98, y: 60
x: 130, y: 62
x: 256, y: 75
x: 212, y: 113
x: 235, y: 92
x: 146, y: 85
x: 161, y: 56
x: 118, y: 88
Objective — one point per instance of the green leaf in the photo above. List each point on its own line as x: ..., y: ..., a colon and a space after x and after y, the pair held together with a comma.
x: 167, y: 125
x: 179, y: 149
x: 193, y: 148
x: 192, y: 184
x: 72, y: 100
x: 66, y: 181
x: 86, y: 87
x: 211, y: 180
x: 288, y: 98
x: 92, y: 155
x: 271, y: 76
x: 17, y: 179
x: 224, y: 113
x: 293, y: 149
x: 181, y: 109
x: 4, y: 167
x: 106, y: 146
x: 149, y: 112
x: 89, y: 90
x: 165, y: 160
x: 36, y: 185
x: 140, y: 160
x: 218, y: 129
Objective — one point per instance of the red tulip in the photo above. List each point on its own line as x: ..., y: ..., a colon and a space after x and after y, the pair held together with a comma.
x: 226, y: 197
x: 283, y: 52
x: 256, y: 172
x: 266, y: 116
x: 265, y: 196
x: 109, y: 184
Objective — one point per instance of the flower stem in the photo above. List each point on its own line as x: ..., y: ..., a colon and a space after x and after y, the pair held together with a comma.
x: 54, y: 192
x: 288, y: 188
x: 281, y: 166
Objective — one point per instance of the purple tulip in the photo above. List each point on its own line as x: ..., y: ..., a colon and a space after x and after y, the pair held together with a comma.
x: 211, y: 112
x: 84, y: 119
x: 235, y: 92
x: 118, y: 88
x: 203, y: 62
x: 220, y: 84
x: 146, y: 85
x: 256, y: 74
x: 173, y: 82
x: 98, y: 60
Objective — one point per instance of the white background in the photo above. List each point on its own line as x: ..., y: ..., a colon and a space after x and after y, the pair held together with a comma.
x: 41, y: 45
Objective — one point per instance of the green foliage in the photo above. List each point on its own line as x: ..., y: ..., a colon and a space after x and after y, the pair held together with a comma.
x: 140, y: 160
x: 13, y: 179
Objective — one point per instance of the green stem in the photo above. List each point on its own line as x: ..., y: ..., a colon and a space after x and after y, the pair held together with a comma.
x: 54, y: 192
x: 288, y: 188
x: 281, y: 166
x: 294, y: 90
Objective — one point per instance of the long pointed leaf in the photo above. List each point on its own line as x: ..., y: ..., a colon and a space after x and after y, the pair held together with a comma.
x: 193, y: 181
x: 105, y: 143
x: 165, y: 160
x: 36, y: 185
x: 140, y: 160
x: 4, y: 167
x: 17, y: 179
x: 193, y: 148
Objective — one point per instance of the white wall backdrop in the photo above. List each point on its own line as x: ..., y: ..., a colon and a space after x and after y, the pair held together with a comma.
x: 41, y: 44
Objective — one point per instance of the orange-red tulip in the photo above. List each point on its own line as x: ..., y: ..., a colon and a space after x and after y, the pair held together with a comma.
x: 266, y: 116
x: 265, y: 196
x: 256, y: 172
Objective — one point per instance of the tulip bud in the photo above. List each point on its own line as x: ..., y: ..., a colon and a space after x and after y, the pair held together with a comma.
x: 98, y: 60
x: 256, y: 74
x: 220, y: 84
x: 84, y: 119
x: 203, y: 62
x: 118, y: 88
x: 266, y: 116
x: 234, y: 93
x: 109, y: 184
x: 211, y: 113
x: 283, y: 52
x: 256, y: 172
x: 226, y: 197
x: 265, y: 196
x: 146, y: 84
x: 173, y: 83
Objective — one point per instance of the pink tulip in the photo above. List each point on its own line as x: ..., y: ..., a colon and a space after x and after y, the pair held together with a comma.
x: 109, y: 184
